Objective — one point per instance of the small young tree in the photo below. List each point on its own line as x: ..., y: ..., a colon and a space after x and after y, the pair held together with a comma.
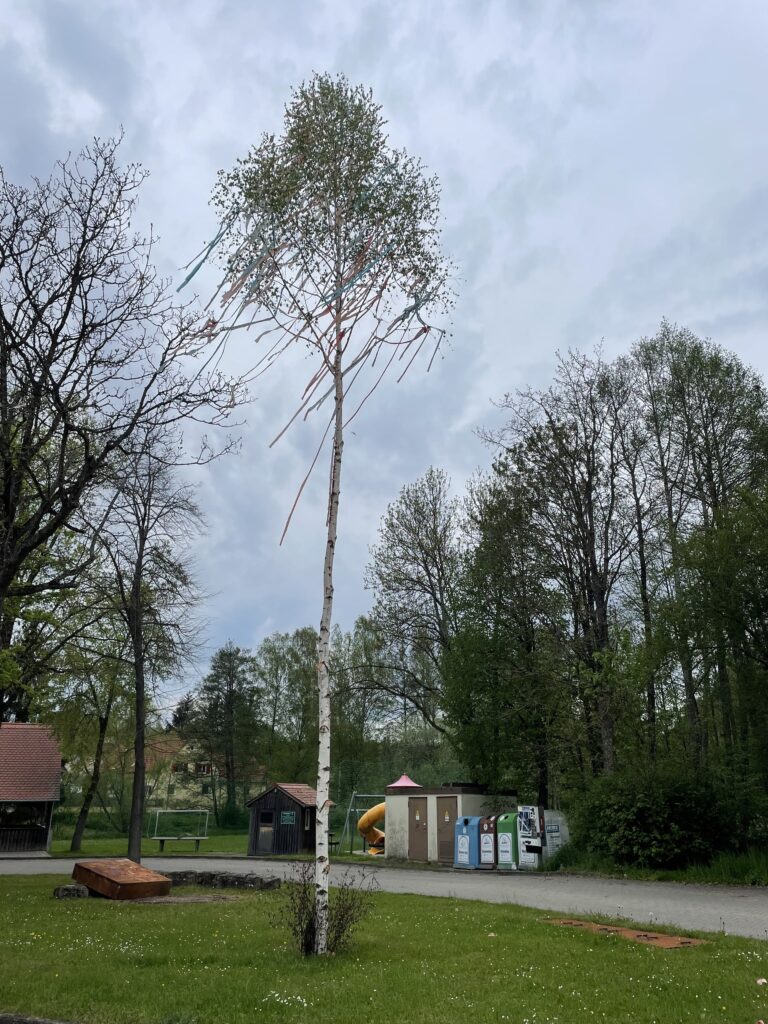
x: 332, y: 244
x: 151, y: 520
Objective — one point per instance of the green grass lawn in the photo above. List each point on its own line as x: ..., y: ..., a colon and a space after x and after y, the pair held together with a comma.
x: 747, y: 868
x: 117, y: 846
x: 416, y: 959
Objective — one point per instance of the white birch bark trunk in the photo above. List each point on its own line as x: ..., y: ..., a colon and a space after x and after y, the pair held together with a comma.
x: 322, y: 862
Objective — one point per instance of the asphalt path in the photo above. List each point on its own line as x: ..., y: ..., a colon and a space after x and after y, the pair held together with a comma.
x: 729, y: 909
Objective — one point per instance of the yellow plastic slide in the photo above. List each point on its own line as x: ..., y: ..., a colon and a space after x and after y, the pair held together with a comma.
x: 367, y: 829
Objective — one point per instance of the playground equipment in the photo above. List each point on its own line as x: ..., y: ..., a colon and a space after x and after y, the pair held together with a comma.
x: 366, y: 826
x: 359, y: 804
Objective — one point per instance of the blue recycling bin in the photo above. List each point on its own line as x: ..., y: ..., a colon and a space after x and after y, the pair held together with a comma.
x: 466, y: 846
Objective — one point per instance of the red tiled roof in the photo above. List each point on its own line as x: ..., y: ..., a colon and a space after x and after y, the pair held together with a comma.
x: 30, y: 764
x: 301, y: 793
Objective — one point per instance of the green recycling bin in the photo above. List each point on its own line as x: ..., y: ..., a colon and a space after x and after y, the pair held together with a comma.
x: 507, y: 854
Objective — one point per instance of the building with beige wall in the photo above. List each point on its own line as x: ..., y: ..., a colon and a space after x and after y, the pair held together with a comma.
x: 420, y: 823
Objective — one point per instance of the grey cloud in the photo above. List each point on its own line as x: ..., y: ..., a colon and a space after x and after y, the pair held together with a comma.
x: 600, y: 169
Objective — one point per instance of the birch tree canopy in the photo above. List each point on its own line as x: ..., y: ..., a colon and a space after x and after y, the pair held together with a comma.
x: 330, y: 241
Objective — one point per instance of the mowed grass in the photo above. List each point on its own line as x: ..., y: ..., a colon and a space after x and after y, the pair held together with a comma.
x: 416, y: 959
x: 117, y: 846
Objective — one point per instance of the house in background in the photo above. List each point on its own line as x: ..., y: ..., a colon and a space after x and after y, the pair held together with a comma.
x: 182, y: 774
x: 30, y: 784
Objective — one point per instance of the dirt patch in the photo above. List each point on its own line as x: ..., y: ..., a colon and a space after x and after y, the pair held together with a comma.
x: 658, y: 939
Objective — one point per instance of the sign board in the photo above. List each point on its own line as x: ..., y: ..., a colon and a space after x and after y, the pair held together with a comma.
x: 287, y: 817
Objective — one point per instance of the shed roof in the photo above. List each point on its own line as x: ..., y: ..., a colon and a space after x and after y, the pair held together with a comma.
x: 30, y: 764
x: 298, y: 791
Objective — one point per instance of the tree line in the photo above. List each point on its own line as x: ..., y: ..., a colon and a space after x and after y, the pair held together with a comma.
x: 594, y: 607
x: 588, y: 619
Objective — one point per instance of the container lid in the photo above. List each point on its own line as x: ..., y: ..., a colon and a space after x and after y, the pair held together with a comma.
x: 404, y: 783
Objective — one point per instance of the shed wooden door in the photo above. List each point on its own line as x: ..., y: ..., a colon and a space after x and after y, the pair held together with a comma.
x: 417, y: 828
x: 265, y: 838
x: 447, y: 812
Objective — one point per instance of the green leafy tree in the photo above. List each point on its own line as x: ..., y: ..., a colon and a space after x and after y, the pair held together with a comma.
x: 225, y: 719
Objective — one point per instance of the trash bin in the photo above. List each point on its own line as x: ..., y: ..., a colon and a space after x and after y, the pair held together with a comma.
x: 506, y: 842
x: 488, y: 843
x: 466, y: 847
x: 555, y: 832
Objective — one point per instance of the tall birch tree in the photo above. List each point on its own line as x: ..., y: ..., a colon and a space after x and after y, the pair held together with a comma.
x: 330, y: 242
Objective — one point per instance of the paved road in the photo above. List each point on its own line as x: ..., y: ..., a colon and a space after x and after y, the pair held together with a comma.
x: 697, y: 907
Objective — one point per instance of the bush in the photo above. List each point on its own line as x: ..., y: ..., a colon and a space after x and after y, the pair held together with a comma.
x: 234, y: 817
x: 350, y: 902
x: 651, y: 821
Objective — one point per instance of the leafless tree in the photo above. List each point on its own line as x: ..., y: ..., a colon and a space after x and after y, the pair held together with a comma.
x: 145, y: 537
x: 93, y: 352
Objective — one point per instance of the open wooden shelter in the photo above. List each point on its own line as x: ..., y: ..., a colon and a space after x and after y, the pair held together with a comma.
x: 30, y: 784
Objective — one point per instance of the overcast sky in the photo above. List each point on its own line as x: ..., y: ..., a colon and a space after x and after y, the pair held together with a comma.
x: 604, y: 164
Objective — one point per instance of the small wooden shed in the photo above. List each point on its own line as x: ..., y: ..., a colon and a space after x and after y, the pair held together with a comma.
x: 30, y: 783
x: 283, y: 820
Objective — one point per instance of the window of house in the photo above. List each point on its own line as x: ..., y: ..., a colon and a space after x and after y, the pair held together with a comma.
x: 307, y: 819
x: 202, y: 768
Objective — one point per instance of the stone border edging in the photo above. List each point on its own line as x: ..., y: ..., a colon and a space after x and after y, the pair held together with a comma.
x: 14, y: 1018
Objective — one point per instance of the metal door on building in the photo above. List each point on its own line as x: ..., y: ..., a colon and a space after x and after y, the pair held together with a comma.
x: 417, y: 828
x: 265, y: 837
x: 447, y: 813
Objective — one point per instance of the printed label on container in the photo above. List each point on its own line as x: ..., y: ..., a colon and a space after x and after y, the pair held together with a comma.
x: 505, y: 848
x: 462, y: 850
x: 486, y: 849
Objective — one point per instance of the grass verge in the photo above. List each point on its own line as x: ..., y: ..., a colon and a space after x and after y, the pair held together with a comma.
x: 748, y: 868
x: 416, y: 959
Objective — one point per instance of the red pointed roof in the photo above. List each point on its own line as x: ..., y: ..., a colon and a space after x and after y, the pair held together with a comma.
x: 404, y: 783
x: 300, y: 792
x: 30, y: 764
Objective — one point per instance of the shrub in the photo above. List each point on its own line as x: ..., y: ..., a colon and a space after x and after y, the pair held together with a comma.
x: 234, y: 817
x: 656, y: 821
x: 350, y: 901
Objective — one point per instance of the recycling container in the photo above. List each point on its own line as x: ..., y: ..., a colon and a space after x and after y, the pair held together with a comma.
x: 506, y: 842
x: 555, y: 832
x: 531, y: 838
x: 466, y: 847
x: 487, y: 830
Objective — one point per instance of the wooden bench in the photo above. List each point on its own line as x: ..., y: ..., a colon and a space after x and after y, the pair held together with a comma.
x: 333, y: 842
x: 176, y: 839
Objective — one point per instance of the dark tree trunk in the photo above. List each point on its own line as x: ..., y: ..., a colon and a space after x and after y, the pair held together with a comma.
x: 82, y: 818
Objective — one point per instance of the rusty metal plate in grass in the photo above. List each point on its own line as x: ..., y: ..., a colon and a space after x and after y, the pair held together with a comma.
x: 657, y: 939
x: 120, y: 879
